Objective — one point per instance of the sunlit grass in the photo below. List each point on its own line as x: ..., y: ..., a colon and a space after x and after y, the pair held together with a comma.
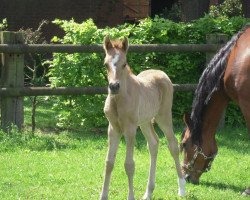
x: 59, y: 164
x: 70, y: 165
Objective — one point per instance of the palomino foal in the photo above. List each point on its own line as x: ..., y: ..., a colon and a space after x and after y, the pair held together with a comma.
x: 134, y: 101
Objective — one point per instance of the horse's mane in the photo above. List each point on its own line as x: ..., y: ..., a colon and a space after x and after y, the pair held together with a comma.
x: 209, y: 82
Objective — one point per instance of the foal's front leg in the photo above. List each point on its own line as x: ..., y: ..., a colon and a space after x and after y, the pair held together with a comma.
x: 129, y: 164
x: 114, y: 138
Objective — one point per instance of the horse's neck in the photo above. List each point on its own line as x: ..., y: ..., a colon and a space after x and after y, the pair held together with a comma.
x: 213, y: 114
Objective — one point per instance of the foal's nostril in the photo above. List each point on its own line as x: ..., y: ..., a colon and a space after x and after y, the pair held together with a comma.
x: 114, y: 87
x: 117, y: 85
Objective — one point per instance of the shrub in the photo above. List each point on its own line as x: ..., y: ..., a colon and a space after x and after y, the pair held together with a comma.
x: 87, y: 69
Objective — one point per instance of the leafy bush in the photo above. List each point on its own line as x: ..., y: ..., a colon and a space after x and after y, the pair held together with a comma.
x: 87, y: 69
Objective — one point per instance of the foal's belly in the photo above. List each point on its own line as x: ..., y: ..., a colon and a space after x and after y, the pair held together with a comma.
x: 149, y: 106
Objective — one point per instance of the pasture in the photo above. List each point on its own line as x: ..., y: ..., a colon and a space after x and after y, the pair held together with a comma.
x: 58, y: 164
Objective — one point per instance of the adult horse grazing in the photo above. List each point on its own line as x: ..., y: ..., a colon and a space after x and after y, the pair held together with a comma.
x: 227, y: 77
x: 134, y: 101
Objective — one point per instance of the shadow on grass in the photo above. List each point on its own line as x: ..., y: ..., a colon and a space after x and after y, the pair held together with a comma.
x: 50, y: 141
x: 222, y: 186
x: 234, y: 138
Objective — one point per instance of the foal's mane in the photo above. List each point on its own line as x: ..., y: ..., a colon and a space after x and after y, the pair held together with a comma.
x: 209, y: 82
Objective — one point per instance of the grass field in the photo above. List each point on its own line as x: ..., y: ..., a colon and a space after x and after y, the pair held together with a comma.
x: 69, y: 165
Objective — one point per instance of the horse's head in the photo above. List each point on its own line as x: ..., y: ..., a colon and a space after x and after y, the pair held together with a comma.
x: 198, y: 157
x: 116, y: 62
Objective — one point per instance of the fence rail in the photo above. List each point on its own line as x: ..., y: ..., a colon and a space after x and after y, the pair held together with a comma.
x: 45, y: 91
x: 76, y: 48
x: 12, y: 88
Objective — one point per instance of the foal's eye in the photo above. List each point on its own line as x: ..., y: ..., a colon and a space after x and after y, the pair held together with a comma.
x: 124, y: 65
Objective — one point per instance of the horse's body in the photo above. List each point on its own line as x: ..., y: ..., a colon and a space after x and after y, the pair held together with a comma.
x: 226, y: 78
x: 135, y: 101
x: 237, y: 75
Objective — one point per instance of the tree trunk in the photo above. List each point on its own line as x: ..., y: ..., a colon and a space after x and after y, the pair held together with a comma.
x: 246, y: 8
x: 193, y: 9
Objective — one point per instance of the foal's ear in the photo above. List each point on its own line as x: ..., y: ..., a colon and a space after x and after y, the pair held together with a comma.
x: 125, y: 44
x: 187, y: 118
x: 107, y: 43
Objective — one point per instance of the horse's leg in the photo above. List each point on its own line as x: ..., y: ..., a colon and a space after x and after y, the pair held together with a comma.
x: 153, y: 141
x: 245, y: 109
x: 113, y: 139
x: 129, y: 165
x: 165, y: 123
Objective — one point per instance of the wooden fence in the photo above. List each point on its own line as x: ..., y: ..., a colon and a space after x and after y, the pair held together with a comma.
x: 12, y: 88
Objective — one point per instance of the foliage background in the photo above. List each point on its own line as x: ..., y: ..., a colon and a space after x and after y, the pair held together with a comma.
x: 87, y: 69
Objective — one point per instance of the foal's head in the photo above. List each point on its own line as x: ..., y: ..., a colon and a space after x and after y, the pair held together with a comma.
x: 116, y: 62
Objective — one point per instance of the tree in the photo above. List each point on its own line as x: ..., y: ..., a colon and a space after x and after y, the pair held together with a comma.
x: 193, y: 9
x: 35, y: 69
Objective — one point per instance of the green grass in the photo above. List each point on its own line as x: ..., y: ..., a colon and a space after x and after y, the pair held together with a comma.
x: 56, y: 164
x: 70, y: 165
x: 45, y: 115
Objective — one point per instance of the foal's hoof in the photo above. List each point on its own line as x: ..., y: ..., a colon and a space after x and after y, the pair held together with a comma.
x: 146, y: 197
x: 181, y: 193
x: 181, y: 189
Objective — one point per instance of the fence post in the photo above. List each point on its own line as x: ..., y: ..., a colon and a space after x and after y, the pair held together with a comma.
x: 12, y: 76
x: 216, y: 39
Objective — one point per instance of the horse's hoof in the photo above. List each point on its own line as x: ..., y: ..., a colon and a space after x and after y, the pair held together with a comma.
x: 246, y: 192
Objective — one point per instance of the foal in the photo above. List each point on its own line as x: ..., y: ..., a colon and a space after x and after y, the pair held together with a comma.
x: 134, y: 101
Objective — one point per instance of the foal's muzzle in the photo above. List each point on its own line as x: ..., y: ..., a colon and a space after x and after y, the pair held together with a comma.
x: 114, y: 87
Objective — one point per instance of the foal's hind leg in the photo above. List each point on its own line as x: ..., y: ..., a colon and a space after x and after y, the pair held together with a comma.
x: 165, y: 123
x: 152, y: 139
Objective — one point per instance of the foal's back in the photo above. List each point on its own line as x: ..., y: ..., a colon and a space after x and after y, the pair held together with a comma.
x: 155, y: 89
x: 156, y: 78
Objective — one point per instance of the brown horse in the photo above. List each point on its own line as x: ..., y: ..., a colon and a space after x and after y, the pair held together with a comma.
x: 134, y: 101
x: 227, y: 77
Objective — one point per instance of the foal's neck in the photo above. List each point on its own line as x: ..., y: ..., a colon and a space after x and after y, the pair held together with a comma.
x: 128, y: 83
